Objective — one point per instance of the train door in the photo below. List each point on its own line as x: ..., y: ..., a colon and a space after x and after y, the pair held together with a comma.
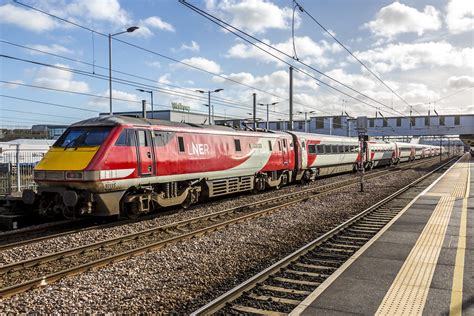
x: 145, y: 153
x: 285, y: 151
x: 304, y: 154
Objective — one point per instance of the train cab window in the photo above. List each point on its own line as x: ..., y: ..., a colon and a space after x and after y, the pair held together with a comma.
x: 181, y: 144
x: 123, y: 139
x: 320, y: 149
x: 312, y: 149
x: 270, y: 145
x: 83, y: 137
x: 237, y: 145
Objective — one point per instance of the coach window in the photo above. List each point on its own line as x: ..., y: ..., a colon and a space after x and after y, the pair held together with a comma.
x: 341, y: 148
x: 312, y: 149
x: 320, y: 149
x: 284, y: 144
x: 237, y: 145
x: 270, y: 145
x: 181, y: 144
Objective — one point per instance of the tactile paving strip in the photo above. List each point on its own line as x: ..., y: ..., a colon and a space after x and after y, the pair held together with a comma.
x: 407, y: 295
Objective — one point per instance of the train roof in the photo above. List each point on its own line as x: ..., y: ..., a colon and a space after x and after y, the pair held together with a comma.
x: 114, y: 120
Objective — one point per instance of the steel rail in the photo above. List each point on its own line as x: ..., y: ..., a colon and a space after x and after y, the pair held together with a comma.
x: 274, y: 204
x: 244, y: 288
x: 19, y: 234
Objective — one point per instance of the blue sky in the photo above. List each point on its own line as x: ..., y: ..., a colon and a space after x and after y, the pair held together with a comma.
x: 421, y: 49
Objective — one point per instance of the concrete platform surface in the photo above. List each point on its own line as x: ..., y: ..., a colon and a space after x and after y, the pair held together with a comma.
x: 421, y: 263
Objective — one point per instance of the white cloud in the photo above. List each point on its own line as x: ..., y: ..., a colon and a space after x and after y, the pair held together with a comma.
x: 122, y: 99
x: 59, y: 79
x: 411, y: 56
x: 254, y: 16
x: 152, y: 22
x: 461, y: 82
x: 193, y: 47
x: 27, y: 19
x: 201, y: 62
x: 307, y: 50
x: 398, y: 18
x: 11, y: 85
x: 164, y: 79
x: 158, y: 23
x: 104, y: 10
x: 460, y: 16
x: 52, y: 49
x: 419, y: 92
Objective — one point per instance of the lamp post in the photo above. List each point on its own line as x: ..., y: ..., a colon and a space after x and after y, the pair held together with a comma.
x: 209, y: 100
x: 129, y: 30
x: 151, y: 93
x: 305, y: 119
x: 268, y: 120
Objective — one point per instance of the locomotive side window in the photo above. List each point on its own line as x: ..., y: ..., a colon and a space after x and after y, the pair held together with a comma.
x: 237, y: 145
x: 181, y: 144
x: 125, y: 138
x: 122, y: 140
x: 270, y: 145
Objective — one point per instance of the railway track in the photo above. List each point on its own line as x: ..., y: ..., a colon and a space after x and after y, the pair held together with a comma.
x: 280, y: 288
x: 51, y: 230
x: 21, y: 276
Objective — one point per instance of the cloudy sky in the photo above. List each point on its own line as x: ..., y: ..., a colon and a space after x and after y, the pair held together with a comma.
x: 55, y: 72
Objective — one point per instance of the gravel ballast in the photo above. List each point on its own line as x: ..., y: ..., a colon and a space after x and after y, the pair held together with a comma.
x: 184, y: 276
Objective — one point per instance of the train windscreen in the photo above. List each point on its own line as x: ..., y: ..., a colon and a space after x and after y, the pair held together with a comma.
x: 83, y: 137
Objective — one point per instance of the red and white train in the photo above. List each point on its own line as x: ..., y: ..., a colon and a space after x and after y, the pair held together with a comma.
x: 118, y: 165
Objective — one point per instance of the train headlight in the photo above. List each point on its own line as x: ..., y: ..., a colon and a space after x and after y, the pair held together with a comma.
x: 70, y: 175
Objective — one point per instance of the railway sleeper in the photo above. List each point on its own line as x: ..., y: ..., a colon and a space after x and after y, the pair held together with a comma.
x: 252, y: 310
x: 323, y: 262
x: 297, y: 282
x: 315, y: 267
x: 353, y: 242
x: 275, y: 299
x: 279, y: 294
x: 284, y: 290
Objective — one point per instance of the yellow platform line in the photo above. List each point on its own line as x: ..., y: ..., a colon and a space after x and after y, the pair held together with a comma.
x: 456, y: 293
x: 408, y: 293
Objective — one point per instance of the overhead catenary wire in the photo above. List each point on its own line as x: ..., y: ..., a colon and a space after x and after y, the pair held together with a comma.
x: 234, y: 30
x: 121, y: 81
x: 164, y: 56
x: 350, y: 53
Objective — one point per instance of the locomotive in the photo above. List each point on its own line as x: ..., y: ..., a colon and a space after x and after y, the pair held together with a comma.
x: 119, y: 165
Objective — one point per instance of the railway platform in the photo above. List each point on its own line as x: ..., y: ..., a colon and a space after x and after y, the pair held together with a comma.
x: 421, y: 263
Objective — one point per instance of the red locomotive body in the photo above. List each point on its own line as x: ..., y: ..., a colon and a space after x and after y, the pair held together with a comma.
x: 135, y: 165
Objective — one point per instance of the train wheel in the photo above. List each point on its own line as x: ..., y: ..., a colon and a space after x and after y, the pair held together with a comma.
x: 132, y: 209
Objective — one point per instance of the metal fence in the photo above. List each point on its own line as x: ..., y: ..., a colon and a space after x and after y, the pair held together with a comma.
x: 16, y: 168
